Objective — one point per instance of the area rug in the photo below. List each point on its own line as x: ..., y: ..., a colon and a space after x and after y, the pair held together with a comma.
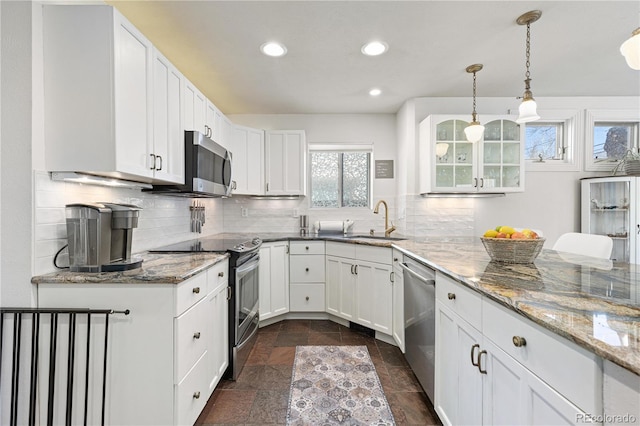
x: 336, y: 385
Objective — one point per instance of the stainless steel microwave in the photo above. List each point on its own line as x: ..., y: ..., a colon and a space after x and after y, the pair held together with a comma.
x: 207, y: 169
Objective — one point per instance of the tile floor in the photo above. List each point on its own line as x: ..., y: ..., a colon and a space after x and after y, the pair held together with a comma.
x: 261, y: 393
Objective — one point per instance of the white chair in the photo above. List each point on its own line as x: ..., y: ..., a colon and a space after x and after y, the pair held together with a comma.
x: 586, y: 244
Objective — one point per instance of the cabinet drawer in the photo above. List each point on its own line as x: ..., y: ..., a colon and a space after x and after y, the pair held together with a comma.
x: 462, y: 300
x: 347, y: 250
x: 191, y: 393
x: 374, y: 254
x: 306, y: 269
x: 306, y: 297
x: 306, y: 247
x: 190, y: 338
x: 190, y: 292
x: 217, y: 275
x: 556, y: 360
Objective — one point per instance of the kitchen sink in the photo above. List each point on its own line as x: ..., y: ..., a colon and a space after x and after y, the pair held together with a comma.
x: 374, y: 237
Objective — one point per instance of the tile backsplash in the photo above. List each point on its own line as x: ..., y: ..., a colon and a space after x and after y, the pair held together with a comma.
x: 165, y: 220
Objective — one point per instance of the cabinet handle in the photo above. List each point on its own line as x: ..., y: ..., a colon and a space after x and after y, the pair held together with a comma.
x: 481, y: 182
x: 153, y: 163
x: 160, y: 157
x: 196, y: 290
x: 221, y: 274
x: 356, y: 269
x: 234, y: 184
x: 395, y: 259
x: 287, y: 246
x: 480, y: 361
x: 451, y: 296
x: 519, y: 341
x: 196, y: 395
x: 475, y: 182
x: 391, y: 277
x: 307, y: 298
x: 306, y: 248
x: 229, y: 293
x: 267, y: 186
x: 638, y: 229
x: 352, y: 273
x: 473, y: 349
x: 306, y: 269
x: 196, y: 335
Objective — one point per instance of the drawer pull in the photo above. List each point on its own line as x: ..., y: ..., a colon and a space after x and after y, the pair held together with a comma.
x: 196, y: 395
x: 307, y: 298
x: 196, y: 290
x: 473, y: 349
x: 221, y: 274
x: 306, y: 248
x: 451, y: 296
x: 306, y: 269
x: 519, y: 341
x: 196, y: 335
x: 479, y: 361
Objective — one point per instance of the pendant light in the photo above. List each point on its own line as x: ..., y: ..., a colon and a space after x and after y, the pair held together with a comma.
x: 474, y: 130
x: 630, y: 49
x: 528, y: 106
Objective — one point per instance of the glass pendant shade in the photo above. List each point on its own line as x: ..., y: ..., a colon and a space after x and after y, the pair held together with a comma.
x: 441, y: 149
x: 474, y: 132
x: 528, y: 111
x: 630, y: 49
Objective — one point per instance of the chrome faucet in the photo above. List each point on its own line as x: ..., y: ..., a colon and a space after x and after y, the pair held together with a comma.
x: 387, y: 229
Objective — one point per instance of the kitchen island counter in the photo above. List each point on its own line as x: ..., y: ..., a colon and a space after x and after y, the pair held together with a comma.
x: 156, y: 268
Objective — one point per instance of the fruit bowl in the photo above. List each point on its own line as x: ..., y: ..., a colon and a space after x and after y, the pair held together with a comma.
x: 513, y: 251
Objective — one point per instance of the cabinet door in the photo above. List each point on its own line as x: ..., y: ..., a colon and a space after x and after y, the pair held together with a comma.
x: 398, y: 301
x: 218, y: 343
x: 458, y: 383
x: 132, y: 85
x: 374, y: 296
x: 502, y: 157
x: 212, y: 121
x: 274, y: 279
x: 285, y: 156
x: 247, y: 150
x: 195, y: 108
x: 168, y: 137
x: 340, y: 287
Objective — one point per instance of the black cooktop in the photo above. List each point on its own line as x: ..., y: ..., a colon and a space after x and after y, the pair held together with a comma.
x: 212, y: 245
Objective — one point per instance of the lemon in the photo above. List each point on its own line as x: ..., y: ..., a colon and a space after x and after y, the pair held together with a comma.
x: 507, y: 230
x: 491, y: 233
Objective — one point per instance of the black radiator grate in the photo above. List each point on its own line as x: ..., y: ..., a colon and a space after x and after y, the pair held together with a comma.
x: 46, y: 351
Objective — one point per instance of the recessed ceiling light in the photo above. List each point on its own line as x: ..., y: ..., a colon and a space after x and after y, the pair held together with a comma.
x: 374, y: 48
x: 375, y: 92
x: 274, y: 49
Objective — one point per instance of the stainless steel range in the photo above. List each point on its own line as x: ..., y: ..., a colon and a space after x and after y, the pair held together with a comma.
x: 244, y: 262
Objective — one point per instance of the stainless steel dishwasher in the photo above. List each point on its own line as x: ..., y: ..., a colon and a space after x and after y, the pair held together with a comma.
x: 420, y: 321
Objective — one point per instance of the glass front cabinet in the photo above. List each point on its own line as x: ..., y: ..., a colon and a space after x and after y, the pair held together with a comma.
x: 450, y: 163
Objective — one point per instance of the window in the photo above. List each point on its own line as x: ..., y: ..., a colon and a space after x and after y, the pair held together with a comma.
x: 553, y: 143
x: 340, y: 177
x: 609, y: 135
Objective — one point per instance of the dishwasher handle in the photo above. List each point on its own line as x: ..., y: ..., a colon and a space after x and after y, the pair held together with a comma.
x: 427, y: 281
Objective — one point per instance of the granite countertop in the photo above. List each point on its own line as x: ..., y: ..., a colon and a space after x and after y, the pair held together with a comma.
x: 157, y: 268
x: 594, y: 303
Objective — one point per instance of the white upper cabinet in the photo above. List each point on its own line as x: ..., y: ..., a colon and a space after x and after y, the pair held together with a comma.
x: 195, y: 108
x: 168, y: 137
x: 285, y: 161
x: 247, y: 149
x: 450, y: 163
x: 97, y: 82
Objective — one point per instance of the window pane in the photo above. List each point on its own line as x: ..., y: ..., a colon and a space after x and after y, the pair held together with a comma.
x: 542, y: 141
x: 325, y: 172
x: 355, y: 179
x: 611, y: 140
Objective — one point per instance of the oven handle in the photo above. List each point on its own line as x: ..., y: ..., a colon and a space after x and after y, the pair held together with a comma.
x: 245, y: 341
x: 426, y: 281
x: 248, y: 266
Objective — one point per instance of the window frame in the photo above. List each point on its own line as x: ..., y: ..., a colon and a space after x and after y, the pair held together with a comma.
x: 341, y: 148
x: 607, y: 116
x: 572, y: 131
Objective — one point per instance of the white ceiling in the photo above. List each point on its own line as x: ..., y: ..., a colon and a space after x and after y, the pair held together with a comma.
x: 574, y: 50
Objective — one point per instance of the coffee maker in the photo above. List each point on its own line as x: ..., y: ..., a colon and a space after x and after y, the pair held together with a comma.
x: 100, y: 235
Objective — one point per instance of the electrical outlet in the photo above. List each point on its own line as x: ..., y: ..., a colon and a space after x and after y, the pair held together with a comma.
x: 296, y: 213
x: 244, y: 211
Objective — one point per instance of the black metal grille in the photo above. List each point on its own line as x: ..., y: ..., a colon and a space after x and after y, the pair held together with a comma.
x: 31, y: 345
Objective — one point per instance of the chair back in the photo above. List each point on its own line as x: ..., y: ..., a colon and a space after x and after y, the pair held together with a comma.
x: 586, y: 244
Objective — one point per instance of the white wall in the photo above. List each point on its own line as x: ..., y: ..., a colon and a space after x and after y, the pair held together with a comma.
x: 271, y: 215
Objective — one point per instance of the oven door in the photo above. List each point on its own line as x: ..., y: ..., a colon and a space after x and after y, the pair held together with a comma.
x: 246, y: 292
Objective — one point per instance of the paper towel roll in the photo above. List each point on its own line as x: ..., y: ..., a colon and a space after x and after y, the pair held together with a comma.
x: 330, y: 227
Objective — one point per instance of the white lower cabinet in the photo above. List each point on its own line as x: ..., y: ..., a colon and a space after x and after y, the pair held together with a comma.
x: 307, y: 276
x: 359, y: 284
x: 398, y: 300
x: 479, y: 381
x: 274, y: 279
x: 164, y: 358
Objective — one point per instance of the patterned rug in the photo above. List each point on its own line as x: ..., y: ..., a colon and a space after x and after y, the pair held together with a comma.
x: 336, y: 385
